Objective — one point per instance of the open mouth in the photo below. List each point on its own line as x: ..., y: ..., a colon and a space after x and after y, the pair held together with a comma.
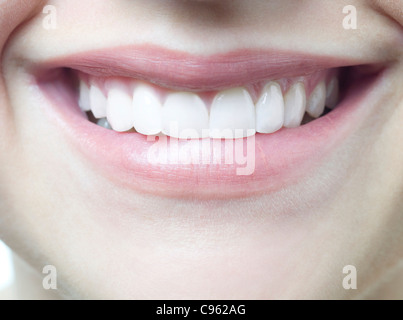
x: 200, y: 110
x: 283, y: 115
x: 126, y: 104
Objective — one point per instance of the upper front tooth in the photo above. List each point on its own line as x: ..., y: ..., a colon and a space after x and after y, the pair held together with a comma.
x: 84, y: 99
x: 119, y: 107
x: 147, y: 110
x: 98, y: 102
x: 182, y: 112
x: 270, y: 109
x: 232, y: 114
x: 295, y: 105
x: 332, y: 95
x: 316, y: 102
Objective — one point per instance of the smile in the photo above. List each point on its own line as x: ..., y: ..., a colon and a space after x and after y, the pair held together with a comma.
x: 115, y: 106
x: 124, y: 104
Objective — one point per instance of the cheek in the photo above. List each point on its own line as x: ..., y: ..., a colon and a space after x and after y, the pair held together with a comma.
x: 392, y: 8
x: 14, y: 13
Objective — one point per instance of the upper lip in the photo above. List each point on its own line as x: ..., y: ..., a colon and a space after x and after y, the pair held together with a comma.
x: 183, y: 71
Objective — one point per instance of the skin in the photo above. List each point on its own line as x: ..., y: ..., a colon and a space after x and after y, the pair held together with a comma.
x: 109, y: 241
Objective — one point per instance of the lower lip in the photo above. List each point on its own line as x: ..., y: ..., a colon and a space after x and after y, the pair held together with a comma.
x: 277, y: 161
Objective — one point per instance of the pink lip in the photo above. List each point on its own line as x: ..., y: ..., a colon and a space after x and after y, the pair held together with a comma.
x: 183, y: 71
x: 281, y: 159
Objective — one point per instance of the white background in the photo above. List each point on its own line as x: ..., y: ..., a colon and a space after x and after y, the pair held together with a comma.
x: 6, y: 270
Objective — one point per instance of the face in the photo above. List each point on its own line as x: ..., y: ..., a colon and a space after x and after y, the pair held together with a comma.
x: 98, y: 179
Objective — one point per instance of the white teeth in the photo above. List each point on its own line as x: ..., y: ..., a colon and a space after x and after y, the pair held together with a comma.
x: 270, y: 109
x: 185, y: 115
x: 98, y: 102
x: 316, y: 102
x: 295, y: 105
x: 332, y: 97
x: 104, y: 124
x: 232, y: 114
x: 147, y: 110
x: 84, y: 99
x: 119, y: 107
x: 183, y: 112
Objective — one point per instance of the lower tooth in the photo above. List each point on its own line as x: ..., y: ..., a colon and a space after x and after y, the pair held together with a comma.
x: 294, y: 105
x: 332, y: 96
x: 104, y: 124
